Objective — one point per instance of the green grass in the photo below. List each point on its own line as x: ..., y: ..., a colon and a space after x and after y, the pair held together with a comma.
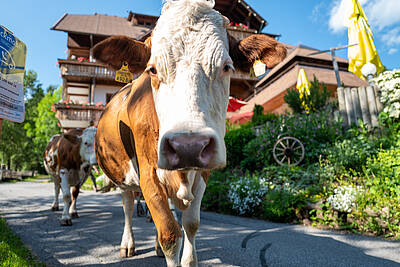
x: 29, y: 179
x: 35, y: 178
x: 13, y: 252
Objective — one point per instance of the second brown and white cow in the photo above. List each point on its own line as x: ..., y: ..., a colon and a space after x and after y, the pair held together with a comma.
x: 163, y: 133
x: 68, y: 158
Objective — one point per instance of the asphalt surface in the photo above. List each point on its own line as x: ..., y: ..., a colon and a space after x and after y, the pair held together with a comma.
x: 94, y: 237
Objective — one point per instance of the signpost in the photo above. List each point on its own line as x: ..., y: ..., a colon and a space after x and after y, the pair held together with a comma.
x: 12, y: 68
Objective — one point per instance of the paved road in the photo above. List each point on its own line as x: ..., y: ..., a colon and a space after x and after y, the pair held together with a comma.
x: 94, y: 238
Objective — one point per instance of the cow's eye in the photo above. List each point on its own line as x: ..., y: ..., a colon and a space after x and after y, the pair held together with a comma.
x: 86, y: 144
x: 228, y: 67
x: 152, y: 70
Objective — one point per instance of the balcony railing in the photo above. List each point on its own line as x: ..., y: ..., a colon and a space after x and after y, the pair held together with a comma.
x: 85, y: 69
x: 77, y: 116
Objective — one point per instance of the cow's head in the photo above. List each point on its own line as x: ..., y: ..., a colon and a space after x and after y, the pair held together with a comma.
x: 86, y: 144
x: 190, y: 60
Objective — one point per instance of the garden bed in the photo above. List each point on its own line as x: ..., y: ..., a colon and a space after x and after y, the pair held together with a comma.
x: 349, y: 179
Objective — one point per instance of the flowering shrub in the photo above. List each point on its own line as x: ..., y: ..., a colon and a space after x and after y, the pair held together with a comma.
x: 389, y: 85
x: 246, y: 194
x: 344, y: 198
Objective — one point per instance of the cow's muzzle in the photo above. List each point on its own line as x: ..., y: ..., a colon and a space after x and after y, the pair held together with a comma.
x: 187, y: 151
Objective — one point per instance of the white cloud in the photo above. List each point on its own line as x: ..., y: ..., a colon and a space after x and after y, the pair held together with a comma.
x: 392, y: 37
x: 392, y: 51
x: 383, y: 13
x: 380, y: 13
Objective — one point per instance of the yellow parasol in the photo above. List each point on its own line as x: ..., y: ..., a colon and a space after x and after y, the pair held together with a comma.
x: 360, y: 32
x: 303, y: 85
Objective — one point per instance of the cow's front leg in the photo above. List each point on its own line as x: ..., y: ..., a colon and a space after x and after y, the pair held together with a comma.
x: 168, y: 230
x: 65, y: 218
x: 55, y: 206
x: 191, y: 222
x: 72, y: 210
x: 128, y: 241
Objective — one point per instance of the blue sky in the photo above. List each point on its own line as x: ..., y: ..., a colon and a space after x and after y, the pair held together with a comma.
x: 313, y: 23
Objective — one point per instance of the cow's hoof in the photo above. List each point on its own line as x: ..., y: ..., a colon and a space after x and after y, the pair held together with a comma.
x: 127, y: 252
x: 74, y: 215
x: 158, y: 250
x: 55, y: 208
x: 66, y: 222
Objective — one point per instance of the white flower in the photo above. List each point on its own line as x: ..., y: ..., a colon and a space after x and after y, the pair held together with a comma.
x: 246, y: 194
x: 389, y: 85
x: 344, y: 198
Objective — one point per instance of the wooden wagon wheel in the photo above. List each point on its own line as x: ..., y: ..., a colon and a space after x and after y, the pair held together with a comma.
x: 288, y: 150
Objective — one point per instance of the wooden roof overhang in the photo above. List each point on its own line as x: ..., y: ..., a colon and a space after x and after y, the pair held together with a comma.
x: 238, y: 11
x: 299, y: 57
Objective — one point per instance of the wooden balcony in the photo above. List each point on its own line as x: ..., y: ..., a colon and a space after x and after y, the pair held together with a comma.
x: 77, y: 116
x: 74, y: 68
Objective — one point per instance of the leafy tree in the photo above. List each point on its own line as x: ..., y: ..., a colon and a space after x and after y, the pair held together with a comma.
x: 316, y: 100
x: 44, y: 123
x: 260, y: 118
x: 12, y: 136
x: 19, y: 145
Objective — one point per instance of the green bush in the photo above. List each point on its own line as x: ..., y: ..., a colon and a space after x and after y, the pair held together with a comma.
x: 216, y: 195
x: 259, y: 118
x: 316, y: 101
x: 316, y: 130
x: 390, y: 131
x: 282, y: 206
x: 235, y: 140
x: 379, y: 207
x: 290, y: 188
x: 352, y: 153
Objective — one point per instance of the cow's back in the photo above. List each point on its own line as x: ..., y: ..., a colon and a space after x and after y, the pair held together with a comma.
x: 69, y: 153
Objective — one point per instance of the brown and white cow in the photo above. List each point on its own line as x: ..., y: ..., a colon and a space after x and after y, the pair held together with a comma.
x: 68, y: 158
x: 163, y: 133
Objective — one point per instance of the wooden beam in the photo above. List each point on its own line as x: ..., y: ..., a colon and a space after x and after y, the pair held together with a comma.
x: 229, y: 12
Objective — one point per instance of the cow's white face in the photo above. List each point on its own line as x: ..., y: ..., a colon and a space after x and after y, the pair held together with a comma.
x: 87, y: 146
x: 190, y: 68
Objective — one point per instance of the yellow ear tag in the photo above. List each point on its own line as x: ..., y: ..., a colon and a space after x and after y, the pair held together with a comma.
x: 259, y: 68
x: 123, y: 75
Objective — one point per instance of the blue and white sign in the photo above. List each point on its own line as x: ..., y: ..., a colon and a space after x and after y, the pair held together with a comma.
x: 12, y: 67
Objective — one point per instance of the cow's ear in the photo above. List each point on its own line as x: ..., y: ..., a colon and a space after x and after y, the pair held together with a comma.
x: 255, y: 47
x: 74, y: 139
x: 116, y: 50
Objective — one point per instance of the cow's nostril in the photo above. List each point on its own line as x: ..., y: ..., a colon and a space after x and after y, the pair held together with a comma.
x: 170, y: 151
x: 207, y: 152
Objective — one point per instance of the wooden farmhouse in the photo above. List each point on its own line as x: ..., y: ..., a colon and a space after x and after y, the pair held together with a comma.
x: 89, y: 85
x: 270, y: 90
